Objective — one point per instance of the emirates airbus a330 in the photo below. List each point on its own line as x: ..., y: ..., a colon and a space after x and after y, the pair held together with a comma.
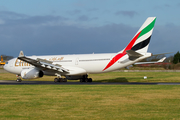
x: 74, y: 67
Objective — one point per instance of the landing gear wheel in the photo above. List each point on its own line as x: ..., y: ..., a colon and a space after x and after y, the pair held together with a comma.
x: 56, y: 80
x: 89, y: 79
x: 18, y: 80
x: 82, y: 80
x: 64, y: 80
x: 86, y: 80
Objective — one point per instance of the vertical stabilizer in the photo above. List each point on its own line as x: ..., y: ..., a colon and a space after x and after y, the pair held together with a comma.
x: 140, y: 41
x: 138, y: 45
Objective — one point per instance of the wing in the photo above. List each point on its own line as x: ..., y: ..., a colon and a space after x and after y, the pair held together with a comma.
x: 42, y: 64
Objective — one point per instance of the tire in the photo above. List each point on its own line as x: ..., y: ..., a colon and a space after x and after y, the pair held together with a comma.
x: 90, y: 80
x: 64, y: 80
x: 86, y: 80
x: 61, y: 80
x: 18, y: 80
x: 55, y: 80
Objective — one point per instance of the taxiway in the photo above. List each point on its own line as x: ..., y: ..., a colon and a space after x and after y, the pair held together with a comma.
x: 13, y: 82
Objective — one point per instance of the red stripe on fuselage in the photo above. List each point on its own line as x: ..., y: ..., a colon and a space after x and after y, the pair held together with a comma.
x: 120, y: 55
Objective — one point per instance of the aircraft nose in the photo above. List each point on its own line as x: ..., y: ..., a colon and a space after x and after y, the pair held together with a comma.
x: 6, y: 66
x: 9, y: 67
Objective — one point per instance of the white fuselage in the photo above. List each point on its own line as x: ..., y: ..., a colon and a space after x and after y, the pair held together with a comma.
x: 77, y: 64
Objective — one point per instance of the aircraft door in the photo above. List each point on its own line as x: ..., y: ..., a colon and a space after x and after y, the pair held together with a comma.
x: 77, y: 61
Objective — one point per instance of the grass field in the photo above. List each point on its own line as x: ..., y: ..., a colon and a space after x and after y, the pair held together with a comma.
x: 130, y: 102
x: 89, y: 102
x: 115, y: 77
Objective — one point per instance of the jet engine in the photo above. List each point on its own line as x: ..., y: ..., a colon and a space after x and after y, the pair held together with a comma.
x: 31, y: 73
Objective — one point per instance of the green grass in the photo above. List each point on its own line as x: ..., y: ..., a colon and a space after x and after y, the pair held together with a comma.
x: 89, y: 102
x: 115, y: 77
x: 130, y: 102
x: 137, y: 77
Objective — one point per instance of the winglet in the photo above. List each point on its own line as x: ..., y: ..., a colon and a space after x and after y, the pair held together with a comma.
x: 21, y: 54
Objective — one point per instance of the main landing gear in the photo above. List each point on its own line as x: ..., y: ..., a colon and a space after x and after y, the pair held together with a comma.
x: 85, y: 79
x: 59, y: 78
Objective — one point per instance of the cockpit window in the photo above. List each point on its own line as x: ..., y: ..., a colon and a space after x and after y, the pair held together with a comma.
x: 6, y: 62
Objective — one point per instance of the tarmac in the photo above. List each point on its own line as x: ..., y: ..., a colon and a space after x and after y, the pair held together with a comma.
x: 14, y: 82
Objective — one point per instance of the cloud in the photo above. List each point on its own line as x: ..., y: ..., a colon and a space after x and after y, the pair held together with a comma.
x: 14, y: 19
x: 3, y: 8
x: 78, y: 4
x: 162, y: 7
x: 165, y: 39
x: 74, y: 12
x: 178, y: 4
x: 11, y: 15
x: 36, y: 36
x: 2, y: 21
x: 42, y: 35
x: 167, y: 5
x: 127, y: 13
x: 83, y: 18
x: 92, y: 9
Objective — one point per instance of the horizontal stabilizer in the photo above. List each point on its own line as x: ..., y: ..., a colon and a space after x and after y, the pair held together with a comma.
x: 133, y: 55
x: 152, y: 62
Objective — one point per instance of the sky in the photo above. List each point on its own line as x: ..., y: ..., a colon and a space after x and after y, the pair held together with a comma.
x: 44, y: 27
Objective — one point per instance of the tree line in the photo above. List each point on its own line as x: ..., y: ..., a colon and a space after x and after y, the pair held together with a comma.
x: 176, y: 58
x: 6, y: 57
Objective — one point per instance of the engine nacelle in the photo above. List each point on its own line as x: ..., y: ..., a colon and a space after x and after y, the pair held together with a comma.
x: 31, y: 73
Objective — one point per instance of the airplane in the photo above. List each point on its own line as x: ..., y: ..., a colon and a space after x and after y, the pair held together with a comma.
x: 77, y: 67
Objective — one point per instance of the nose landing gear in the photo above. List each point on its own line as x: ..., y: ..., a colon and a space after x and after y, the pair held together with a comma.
x: 18, y: 78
